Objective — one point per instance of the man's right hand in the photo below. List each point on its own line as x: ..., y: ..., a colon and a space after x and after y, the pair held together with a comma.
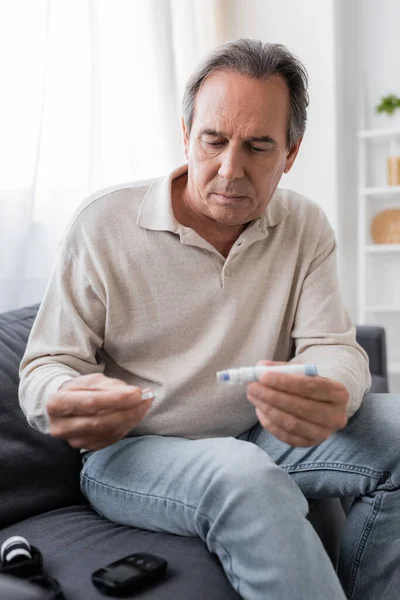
x: 94, y: 411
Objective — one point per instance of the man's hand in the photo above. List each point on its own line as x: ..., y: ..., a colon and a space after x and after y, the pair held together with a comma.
x: 94, y: 411
x: 297, y: 409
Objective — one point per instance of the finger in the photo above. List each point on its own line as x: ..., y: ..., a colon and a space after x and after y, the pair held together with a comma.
x: 91, y: 402
x: 94, y: 381
x: 294, y: 426
x: 67, y: 402
x: 317, y: 388
x: 271, y: 363
x: 319, y: 412
x: 99, y: 427
x: 290, y: 439
x: 91, y: 444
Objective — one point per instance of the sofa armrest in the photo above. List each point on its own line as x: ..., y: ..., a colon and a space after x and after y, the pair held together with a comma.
x: 373, y: 339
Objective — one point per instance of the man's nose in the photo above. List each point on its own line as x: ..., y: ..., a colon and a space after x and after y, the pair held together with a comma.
x: 231, y: 164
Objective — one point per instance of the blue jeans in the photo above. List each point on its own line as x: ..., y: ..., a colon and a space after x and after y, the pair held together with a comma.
x: 246, y: 499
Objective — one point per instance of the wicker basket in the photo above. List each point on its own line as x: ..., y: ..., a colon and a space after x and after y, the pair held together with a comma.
x: 385, y: 227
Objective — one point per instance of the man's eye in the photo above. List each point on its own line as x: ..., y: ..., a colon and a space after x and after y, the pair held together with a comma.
x: 255, y: 149
x: 214, y: 144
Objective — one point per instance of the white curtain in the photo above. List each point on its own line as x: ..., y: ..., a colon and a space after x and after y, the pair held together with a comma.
x: 91, y: 97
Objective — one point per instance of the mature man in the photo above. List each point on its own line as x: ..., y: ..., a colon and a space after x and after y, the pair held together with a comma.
x: 161, y: 284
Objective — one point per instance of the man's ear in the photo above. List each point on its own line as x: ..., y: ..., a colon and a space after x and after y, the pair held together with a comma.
x: 185, y: 137
x: 291, y: 157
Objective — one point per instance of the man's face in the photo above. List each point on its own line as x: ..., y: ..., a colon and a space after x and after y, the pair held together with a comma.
x: 237, y: 150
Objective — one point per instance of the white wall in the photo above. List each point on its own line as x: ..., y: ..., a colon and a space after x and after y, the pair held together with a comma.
x: 379, y: 32
x: 347, y: 47
x: 368, y: 67
x: 307, y: 29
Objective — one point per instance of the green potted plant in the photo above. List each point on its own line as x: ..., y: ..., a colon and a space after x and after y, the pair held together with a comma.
x: 389, y: 108
x: 389, y: 111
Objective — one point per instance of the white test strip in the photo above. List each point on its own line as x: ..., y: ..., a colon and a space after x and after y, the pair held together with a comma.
x: 148, y: 395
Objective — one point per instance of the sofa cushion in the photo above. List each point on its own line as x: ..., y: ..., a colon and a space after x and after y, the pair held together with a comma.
x: 76, y: 541
x: 373, y: 339
x: 379, y: 384
x: 37, y: 472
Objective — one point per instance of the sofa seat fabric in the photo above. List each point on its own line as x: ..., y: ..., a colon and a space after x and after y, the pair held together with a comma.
x: 75, y: 541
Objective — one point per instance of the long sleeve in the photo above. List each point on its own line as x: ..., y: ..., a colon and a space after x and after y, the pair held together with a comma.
x: 323, y: 333
x: 66, y: 334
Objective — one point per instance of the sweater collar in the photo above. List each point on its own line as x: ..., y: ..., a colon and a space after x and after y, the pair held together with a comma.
x: 156, y: 208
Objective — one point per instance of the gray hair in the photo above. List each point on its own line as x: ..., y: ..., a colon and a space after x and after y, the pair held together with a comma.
x: 258, y: 61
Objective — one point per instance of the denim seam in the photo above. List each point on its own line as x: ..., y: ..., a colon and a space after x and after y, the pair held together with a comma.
x: 335, y: 466
x: 85, y: 479
x: 362, y: 543
x: 121, y: 489
x: 234, y: 578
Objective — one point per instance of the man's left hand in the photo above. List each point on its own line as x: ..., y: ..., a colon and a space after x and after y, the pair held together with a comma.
x: 299, y: 410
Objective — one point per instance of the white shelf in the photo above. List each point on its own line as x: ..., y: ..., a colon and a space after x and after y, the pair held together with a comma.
x: 382, y: 248
x: 387, y: 190
x: 374, y: 134
x: 383, y: 309
x: 385, y: 267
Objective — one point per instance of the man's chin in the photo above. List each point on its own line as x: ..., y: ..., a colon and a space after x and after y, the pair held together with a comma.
x: 229, y: 217
x: 234, y: 201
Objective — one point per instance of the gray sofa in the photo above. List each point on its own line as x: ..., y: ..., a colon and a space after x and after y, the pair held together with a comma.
x: 40, y: 498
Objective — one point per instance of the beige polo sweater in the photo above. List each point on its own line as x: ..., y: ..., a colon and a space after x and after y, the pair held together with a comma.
x: 137, y: 296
